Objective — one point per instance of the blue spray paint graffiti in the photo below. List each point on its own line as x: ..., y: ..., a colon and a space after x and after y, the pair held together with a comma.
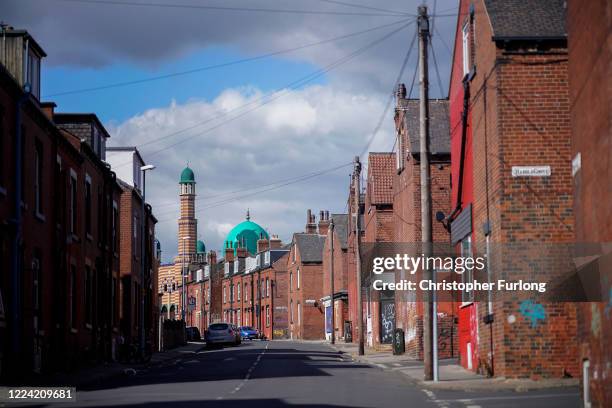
x: 609, y: 306
x: 532, y: 311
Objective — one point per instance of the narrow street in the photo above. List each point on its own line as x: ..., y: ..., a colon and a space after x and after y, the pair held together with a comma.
x: 291, y: 374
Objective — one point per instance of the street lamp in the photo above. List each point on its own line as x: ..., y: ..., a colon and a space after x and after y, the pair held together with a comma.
x: 143, y: 170
x: 183, y: 292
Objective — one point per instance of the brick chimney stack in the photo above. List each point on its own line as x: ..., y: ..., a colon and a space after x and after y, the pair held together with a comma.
x: 311, y: 226
x: 229, y: 252
x: 401, y: 91
x: 262, y: 244
x: 241, y: 250
x: 48, y: 109
x: 275, y: 242
x: 212, y: 257
x: 323, y: 222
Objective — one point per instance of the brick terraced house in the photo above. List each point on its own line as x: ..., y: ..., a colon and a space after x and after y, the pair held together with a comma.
x: 512, y: 180
x: 305, y: 287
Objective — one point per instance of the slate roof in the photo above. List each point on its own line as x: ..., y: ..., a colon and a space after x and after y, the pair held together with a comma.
x: 341, y: 228
x: 381, y: 167
x: 528, y: 19
x: 310, y: 247
x: 439, y: 129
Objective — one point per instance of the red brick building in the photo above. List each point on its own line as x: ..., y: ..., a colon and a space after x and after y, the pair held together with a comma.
x: 136, y: 287
x: 59, y: 227
x: 589, y: 36
x: 509, y: 108
x: 305, y: 287
x: 407, y: 214
x: 340, y: 265
x: 254, y: 287
x: 379, y: 227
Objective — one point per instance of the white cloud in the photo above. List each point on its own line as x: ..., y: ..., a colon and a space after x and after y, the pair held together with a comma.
x: 303, y: 132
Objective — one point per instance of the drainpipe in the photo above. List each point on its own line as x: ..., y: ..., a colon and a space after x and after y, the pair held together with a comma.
x: 464, y: 119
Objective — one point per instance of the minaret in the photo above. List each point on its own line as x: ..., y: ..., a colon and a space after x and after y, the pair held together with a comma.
x: 187, y: 223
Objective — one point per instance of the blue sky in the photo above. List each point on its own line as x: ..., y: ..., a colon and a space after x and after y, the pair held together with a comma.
x: 320, y: 126
x: 119, y: 104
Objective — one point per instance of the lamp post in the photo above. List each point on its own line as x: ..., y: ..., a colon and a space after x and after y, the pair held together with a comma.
x: 183, y: 290
x: 143, y: 170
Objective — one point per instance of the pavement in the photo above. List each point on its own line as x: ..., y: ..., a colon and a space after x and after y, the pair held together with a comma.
x: 288, y: 374
x: 92, y: 376
x: 452, y: 376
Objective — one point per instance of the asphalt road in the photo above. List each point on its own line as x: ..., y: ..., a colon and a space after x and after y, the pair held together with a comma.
x: 290, y: 374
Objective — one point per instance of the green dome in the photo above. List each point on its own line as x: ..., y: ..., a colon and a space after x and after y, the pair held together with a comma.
x: 200, y: 247
x: 247, y: 233
x: 187, y: 175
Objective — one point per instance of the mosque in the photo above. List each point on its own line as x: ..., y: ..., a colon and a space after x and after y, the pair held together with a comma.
x: 192, y: 253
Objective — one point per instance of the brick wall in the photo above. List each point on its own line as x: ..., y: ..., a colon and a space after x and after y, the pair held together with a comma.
x: 590, y: 89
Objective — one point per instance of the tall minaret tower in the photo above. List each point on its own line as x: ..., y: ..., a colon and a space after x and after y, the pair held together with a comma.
x: 187, y: 223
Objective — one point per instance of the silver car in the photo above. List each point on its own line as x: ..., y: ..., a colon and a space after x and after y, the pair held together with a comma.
x: 222, y: 333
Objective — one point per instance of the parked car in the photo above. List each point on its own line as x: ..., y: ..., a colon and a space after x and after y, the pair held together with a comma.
x: 222, y: 333
x: 192, y: 334
x: 248, y: 333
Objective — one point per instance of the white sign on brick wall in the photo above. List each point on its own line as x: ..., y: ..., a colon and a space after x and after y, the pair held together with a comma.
x: 531, y: 171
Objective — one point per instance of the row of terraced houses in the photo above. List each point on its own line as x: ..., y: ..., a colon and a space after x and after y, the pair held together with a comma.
x: 529, y: 87
x: 78, y: 254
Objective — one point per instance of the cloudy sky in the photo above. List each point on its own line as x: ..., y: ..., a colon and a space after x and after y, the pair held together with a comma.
x: 258, y: 96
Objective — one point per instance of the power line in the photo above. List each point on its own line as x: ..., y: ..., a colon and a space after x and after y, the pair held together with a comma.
x: 281, y: 92
x: 221, y: 65
x: 433, y: 54
x: 204, y: 198
x: 230, y: 200
x: 342, y: 3
x: 390, y: 99
x: 229, y: 8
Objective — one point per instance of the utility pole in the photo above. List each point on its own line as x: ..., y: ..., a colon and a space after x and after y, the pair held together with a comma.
x: 357, y: 192
x: 426, y: 234
x: 331, y: 283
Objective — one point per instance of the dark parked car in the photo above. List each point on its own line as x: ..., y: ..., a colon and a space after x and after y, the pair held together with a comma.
x: 248, y: 333
x: 192, y: 334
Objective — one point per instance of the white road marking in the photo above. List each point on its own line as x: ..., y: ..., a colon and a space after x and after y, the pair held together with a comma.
x: 247, y: 377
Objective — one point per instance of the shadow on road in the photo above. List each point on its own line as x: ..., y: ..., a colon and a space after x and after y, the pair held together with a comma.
x: 231, y: 363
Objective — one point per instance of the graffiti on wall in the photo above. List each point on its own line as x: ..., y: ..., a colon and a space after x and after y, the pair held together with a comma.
x: 387, y: 321
x: 533, y: 311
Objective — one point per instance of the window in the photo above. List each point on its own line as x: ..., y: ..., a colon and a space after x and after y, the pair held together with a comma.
x: 239, y: 314
x: 467, y: 276
x: 466, y: 47
x: 225, y: 294
x: 88, y: 295
x: 246, y: 292
x: 38, y: 175
x: 238, y: 287
x: 73, y: 296
x: 290, y: 281
x: 267, y: 316
x: 73, y: 202
x: 399, y: 155
x: 135, y: 246
x: 291, y: 311
x: 36, y: 290
x: 298, y: 278
x: 115, y: 224
x: 267, y: 287
x: 87, y: 206
x: 33, y: 73
x: 299, y: 313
